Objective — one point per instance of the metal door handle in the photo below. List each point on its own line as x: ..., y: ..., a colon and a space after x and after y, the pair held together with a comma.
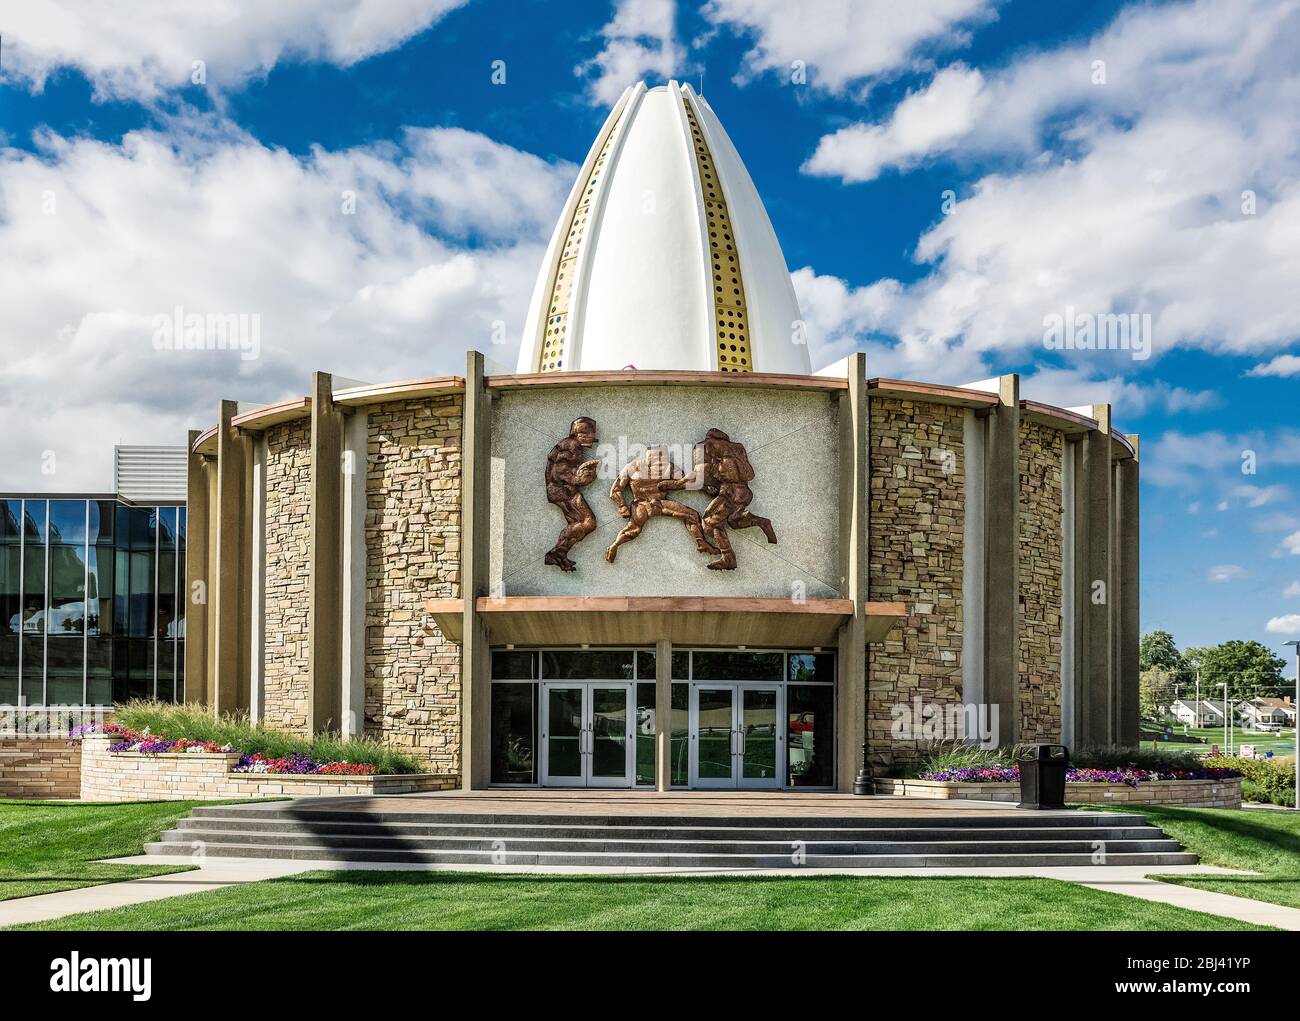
x: 744, y: 741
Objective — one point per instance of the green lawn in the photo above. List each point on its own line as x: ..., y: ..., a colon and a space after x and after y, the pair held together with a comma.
x: 47, y: 846
x: 461, y: 901
x: 1258, y: 840
x: 1281, y: 745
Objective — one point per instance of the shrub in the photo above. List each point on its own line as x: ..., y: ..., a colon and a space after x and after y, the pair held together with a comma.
x: 1120, y: 757
x: 1267, y: 780
x: 198, y: 723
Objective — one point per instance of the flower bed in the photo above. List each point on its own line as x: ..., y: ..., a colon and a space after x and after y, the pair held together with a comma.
x: 1098, y: 790
x: 1129, y: 776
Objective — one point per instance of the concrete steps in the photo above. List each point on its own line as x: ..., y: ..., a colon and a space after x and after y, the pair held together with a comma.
x: 724, y: 842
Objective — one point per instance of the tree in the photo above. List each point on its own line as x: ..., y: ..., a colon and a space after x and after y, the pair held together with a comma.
x: 1155, y: 692
x: 1157, y: 650
x: 1248, y: 668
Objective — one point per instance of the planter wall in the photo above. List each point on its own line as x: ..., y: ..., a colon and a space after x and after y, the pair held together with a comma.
x: 209, y: 776
x: 40, y: 768
x: 1188, y: 793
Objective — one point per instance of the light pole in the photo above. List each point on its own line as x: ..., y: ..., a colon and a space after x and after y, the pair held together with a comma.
x: 1295, y: 749
x: 1227, y: 721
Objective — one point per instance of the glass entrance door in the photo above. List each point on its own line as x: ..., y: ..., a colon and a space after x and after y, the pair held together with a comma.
x: 587, y: 734
x: 737, y: 740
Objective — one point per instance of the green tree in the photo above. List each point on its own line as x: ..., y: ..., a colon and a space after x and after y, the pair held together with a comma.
x: 1155, y: 692
x: 1158, y: 650
x: 1247, y: 667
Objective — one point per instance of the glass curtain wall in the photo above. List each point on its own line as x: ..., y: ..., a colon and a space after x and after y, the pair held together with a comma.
x: 90, y: 601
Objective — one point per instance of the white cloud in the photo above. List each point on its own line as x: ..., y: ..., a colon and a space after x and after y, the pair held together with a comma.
x: 137, y: 49
x: 1291, y: 544
x: 640, y: 40
x: 1193, y: 460
x: 1288, y: 624
x: 1282, y: 365
x: 100, y: 238
x: 1291, y: 591
x: 1225, y: 572
x: 1261, y: 496
x: 845, y: 41
x: 944, y: 111
x: 1127, y: 197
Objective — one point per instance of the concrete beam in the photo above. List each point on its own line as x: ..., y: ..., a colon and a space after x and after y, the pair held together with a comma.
x: 663, y: 715
x: 232, y: 598
x: 476, y: 666
x: 325, y: 552
x: 1002, y: 560
x: 1127, y: 503
x: 195, y: 593
x: 851, y: 687
x: 1097, y: 583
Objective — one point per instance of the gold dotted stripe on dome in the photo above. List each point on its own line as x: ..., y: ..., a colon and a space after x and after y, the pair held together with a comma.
x: 557, y: 319
x: 731, y: 320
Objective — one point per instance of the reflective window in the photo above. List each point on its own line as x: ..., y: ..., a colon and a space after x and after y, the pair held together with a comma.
x: 68, y: 521
x: 737, y: 666
x: 514, y: 733
x: 67, y: 616
x: 11, y: 513
x: 34, y: 520
x: 508, y: 665
x: 645, y: 732
x: 811, y: 667
x: 810, y: 736
x: 591, y: 665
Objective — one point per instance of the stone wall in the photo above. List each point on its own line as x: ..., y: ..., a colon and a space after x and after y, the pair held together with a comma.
x: 207, y: 776
x: 40, y: 768
x: 917, y: 518
x: 413, y: 555
x: 1041, y: 455
x: 1187, y: 793
x: 285, y: 677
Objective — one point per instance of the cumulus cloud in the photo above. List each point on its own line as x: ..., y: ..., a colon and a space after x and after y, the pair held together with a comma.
x: 640, y: 40
x: 1288, y: 624
x: 846, y: 41
x: 1216, y: 459
x: 1225, y: 572
x: 1291, y: 591
x: 137, y: 49
x: 1169, y: 191
x: 926, y: 121
x: 1291, y: 544
x: 355, y: 261
x: 1282, y: 365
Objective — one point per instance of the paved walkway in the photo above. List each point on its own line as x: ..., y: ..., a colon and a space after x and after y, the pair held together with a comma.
x: 214, y: 874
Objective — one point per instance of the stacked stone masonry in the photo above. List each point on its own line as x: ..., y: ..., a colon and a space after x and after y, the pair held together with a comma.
x: 917, y: 518
x: 40, y: 768
x: 1042, y: 450
x: 412, y: 694
x: 1186, y: 793
x: 285, y: 674
x: 189, y: 776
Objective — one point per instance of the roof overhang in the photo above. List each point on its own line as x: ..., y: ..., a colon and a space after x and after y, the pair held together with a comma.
x: 683, y: 620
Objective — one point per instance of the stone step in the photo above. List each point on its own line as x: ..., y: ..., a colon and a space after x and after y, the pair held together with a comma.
x: 246, y: 823
x: 686, y: 859
x: 191, y: 838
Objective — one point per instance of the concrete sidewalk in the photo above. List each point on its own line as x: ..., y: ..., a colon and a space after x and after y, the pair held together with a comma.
x: 215, y: 874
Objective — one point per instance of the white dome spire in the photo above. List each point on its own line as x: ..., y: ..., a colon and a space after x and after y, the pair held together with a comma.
x: 663, y: 257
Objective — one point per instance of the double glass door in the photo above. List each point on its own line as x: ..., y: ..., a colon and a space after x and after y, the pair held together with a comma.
x: 588, y: 734
x: 737, y: 735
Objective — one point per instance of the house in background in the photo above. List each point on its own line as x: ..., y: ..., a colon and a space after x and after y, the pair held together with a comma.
x: 1210, y: 712
x: 1255, y: 712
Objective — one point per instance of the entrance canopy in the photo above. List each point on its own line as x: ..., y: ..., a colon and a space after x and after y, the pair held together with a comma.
x: 682, y: 620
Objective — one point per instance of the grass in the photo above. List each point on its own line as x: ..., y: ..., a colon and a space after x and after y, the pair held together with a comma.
x: 198, y: 723
x: 1261, y: 841
x: 459, y: 901
x: 1281, y: 745
x: 47, y: 846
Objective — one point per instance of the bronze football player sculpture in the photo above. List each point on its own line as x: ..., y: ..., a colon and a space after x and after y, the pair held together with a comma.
x: 722, y: 467
x: 649, y: 477
x: 566, y: 473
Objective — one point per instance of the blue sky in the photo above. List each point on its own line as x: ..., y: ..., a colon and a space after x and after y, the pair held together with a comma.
x: 1163, y: 182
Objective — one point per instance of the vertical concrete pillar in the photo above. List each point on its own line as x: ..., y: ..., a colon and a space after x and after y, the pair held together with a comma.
x: 196, y: 593
x: 229, y: 688
x: 1069, y: 594
x: 1002, y: 559
x: 210, y: 673
x: 355, y: 454
x: 1129, y: 617
x: 257, y: 571
x: 324, y: 572
x: 663, y: 714
x: 475, y: 661
x: 1096, y: 588
x: 851, y: 686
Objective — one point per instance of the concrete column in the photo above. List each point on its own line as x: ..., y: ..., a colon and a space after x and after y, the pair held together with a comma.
x: 1129, y: 618
x: 663, y: 714
x: 1002, y: 559
x: 229, y: 689
x: 851, y: 686
x: 1098, y: 583
x: 325, y: 546
x: 475, y: 661
x: 210, y: 673
x: 195, y: 593
x: 257, y: 571
x: 1069, y: 604
x: 355, y: 456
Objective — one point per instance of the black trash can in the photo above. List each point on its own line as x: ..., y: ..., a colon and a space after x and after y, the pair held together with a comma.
x: 1042, y: 775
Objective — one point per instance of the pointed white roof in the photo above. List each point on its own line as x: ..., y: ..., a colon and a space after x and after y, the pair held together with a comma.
x: 663, y: 257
